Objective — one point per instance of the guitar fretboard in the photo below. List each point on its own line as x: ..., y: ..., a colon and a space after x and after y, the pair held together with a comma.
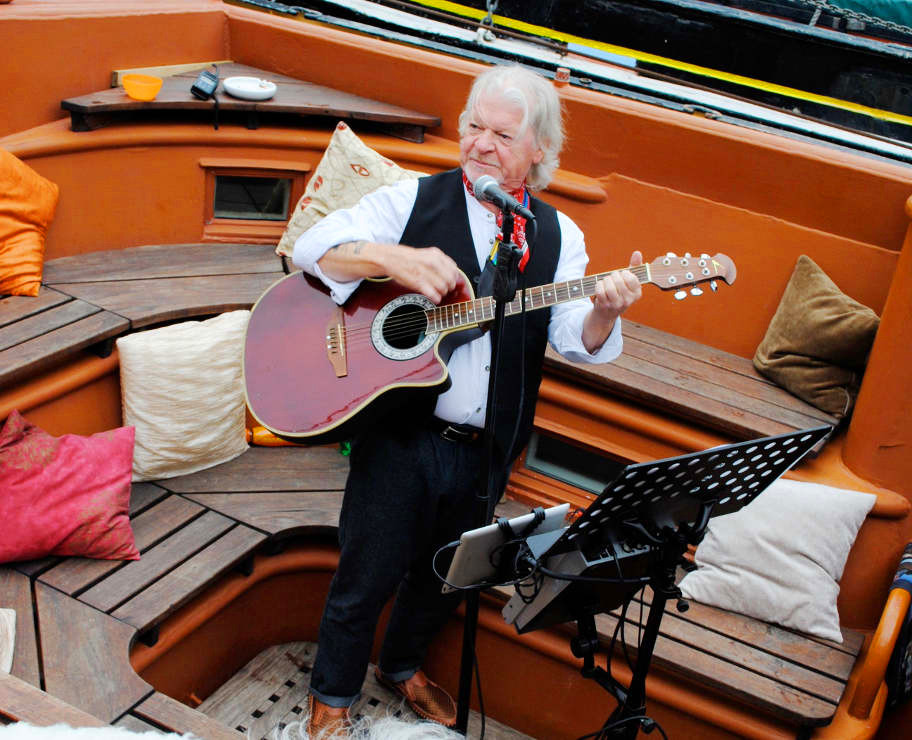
x: 480, y: 310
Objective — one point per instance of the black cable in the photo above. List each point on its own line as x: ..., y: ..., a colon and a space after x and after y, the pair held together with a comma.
x: 622, y: 623
x: 481, y: 709
x: 522, y: 365
x: 483, y: 584
x: 653, y: 725
x: 611, y: 646
x: 215, y: 100
x: 640, y: 622
x: 589, y: 579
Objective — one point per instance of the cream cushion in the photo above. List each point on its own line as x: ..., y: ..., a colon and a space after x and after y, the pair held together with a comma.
x: 348, y: 171
x: 7, y: 639
x: 182, y: 388
x: 780, y: 558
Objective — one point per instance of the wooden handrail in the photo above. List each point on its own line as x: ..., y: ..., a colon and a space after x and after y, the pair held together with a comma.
x: 874, y: 667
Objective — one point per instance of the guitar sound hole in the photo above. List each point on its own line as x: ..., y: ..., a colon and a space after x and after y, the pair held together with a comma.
x: 405, y: 327
x: 399, y: 331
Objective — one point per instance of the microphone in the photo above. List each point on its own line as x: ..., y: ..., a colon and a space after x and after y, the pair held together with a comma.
x: 486, y: 188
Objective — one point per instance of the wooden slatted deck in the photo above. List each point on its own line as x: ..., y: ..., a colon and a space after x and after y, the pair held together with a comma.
x: 77, y: 618
x: 88, y: 300
x: 700, y: 384
x: 270, y: 693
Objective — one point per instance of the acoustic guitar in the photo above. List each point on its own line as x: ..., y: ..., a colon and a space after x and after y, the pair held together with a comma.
x: 315, y: 371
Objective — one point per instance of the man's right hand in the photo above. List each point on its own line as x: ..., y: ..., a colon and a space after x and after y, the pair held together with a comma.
x: 427, y: 270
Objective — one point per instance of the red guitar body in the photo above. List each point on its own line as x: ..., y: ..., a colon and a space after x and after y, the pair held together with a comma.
x: 293, y: 388
x: 313, y: 370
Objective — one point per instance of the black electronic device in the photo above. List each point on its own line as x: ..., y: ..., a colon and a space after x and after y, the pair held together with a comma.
x: 640, y: 526
x: 205, y: 85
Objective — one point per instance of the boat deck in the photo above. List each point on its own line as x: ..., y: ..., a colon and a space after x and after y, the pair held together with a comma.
x: 212, y: 525
x: 270, y: 693
x: 222, y: 524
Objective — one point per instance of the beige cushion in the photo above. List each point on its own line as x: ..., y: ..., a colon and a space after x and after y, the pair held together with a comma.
x: 780, y: 558
x: 182, y: 388
x: 817, y: 343
x: 7, y: 639
x: 348, y: 170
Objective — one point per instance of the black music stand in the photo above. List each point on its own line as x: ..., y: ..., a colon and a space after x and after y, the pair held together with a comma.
x: 637, y: 531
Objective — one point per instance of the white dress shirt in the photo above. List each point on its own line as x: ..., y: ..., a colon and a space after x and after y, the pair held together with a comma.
x: 382, y: 215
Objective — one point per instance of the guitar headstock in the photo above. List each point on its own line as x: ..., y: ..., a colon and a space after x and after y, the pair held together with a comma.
x: 672, y: 272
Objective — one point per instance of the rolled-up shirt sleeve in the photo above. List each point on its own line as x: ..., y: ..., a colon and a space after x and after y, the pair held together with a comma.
x: 565, y: 331
x: 380, y: 216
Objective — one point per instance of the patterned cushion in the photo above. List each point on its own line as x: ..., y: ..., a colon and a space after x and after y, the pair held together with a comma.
x: 182, y: 388
x: 27, y: 206
x: 66, y: 495
x: 348, y: 170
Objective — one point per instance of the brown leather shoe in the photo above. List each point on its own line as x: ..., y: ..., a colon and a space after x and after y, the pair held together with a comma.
x: 326, y: 721
x: 427, y: 699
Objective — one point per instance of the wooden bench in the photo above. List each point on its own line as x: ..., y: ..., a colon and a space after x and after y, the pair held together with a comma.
x: 195, y: 530
x: 294, y: 101
x: 694, y: 382
x: 88, y: 300
x: 191, y: 532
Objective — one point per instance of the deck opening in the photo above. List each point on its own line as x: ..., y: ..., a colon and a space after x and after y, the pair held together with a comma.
x: 570, y: 463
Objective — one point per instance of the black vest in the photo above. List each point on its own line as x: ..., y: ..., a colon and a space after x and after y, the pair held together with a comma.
x: 439, y: 219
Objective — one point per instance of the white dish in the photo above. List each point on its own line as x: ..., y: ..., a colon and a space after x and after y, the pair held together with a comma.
x: 249, y: 88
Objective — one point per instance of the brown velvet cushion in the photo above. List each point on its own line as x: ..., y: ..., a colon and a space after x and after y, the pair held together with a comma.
x: 817, y: 343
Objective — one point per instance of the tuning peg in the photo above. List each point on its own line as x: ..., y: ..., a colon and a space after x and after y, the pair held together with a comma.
x: 680, y: 295
x: 705, y: 256
x: 696, y: 291
x: 713, y: 285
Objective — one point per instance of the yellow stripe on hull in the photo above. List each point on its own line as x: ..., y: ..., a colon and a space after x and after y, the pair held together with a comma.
x: 465, y: 11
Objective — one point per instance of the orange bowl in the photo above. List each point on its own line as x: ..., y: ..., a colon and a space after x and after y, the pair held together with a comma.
x: 142, y: 87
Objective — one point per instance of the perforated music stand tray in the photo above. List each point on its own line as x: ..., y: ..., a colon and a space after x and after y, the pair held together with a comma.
x: 643, y: 504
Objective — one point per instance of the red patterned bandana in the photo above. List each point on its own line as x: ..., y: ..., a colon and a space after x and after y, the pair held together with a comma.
x: 519, y: 223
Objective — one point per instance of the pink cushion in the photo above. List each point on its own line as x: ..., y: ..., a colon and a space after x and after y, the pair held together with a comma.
x: 66, y: 495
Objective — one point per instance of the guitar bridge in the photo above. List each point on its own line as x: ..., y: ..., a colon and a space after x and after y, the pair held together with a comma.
x: 335, y: 343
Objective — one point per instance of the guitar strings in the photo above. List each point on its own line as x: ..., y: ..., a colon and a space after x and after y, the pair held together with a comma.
x: 395, y: 328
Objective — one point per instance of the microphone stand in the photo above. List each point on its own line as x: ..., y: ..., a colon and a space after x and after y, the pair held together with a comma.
x: 505, y: 278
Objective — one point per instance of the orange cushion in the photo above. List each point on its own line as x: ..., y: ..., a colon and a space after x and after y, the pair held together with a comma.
x: 27, y: 205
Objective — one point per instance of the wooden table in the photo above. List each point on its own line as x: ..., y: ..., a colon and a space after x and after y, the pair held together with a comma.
x: 294, y: 101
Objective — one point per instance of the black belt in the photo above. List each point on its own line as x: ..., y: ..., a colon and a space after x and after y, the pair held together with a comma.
x: 456, y: 432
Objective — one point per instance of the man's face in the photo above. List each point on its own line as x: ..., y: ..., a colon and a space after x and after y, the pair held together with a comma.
x: 493, y: 145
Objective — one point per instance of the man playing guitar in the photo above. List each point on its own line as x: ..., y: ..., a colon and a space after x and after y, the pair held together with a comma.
x: 415, y: 475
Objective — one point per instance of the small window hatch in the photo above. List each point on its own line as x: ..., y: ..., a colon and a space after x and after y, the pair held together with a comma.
x: 252, y: 198
x: 568, y: 463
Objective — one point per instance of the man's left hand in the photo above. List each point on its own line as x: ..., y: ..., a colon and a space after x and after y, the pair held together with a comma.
x: 614, y: 294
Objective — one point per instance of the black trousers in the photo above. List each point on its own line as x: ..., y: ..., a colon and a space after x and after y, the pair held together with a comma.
x: 409, y: 492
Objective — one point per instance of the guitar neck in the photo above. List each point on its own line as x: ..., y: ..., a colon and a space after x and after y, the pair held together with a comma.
x: 481, y: 310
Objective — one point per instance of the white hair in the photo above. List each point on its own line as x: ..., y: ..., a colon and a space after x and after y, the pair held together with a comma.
x: 375, y: 728
x: 541, y: 108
